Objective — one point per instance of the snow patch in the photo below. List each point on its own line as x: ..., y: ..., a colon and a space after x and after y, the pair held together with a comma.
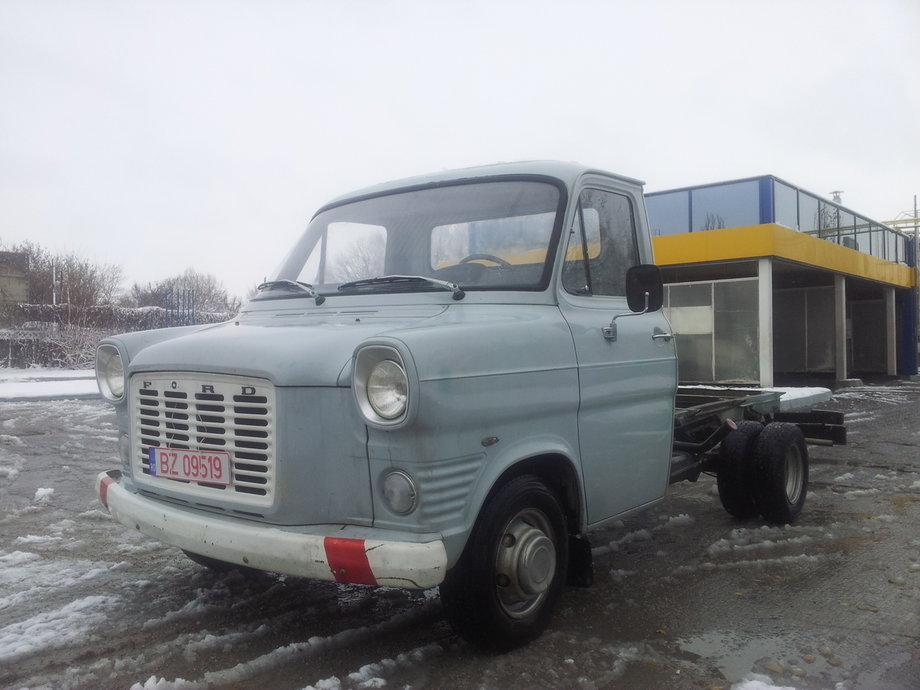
x: 744, y: 539
x: 756, y: 681
x: 43, y: 496
x: 16, y: 559
x: 682, y: 520
x: 667, y: 523
x: 60, y: 627
x: 35, y: 539
x: 856, y: 493
x: 25, y: 576
x: 154, y: 683
x: 758, y: 563
x: 367, y: 676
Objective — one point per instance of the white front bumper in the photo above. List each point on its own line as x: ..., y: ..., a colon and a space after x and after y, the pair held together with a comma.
x: 328, y: 552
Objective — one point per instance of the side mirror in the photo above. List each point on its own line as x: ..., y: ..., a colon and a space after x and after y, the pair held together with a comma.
x: 644, y: 293
x: 644, y: 289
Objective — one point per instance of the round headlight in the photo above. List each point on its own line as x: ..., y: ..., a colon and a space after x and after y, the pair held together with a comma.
x: 388, y: 389
x: 399, y: 491
x: 110, y: 372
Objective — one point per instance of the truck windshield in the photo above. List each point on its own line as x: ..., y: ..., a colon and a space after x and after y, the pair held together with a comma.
x: 493, y: 235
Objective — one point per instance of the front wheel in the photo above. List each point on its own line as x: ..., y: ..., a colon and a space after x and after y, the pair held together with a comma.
x: 781, y: 457
x: 505, y: 587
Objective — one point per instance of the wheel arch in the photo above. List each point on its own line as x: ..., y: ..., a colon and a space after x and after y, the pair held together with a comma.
x: 558, y: 473
x: 554, y: 468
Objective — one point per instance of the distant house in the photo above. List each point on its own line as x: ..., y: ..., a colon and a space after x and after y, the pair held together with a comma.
x: 14, y: 277
x: 14, y: 281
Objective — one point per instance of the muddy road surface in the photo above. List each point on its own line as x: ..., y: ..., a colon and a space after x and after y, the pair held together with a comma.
x: 684, y: 597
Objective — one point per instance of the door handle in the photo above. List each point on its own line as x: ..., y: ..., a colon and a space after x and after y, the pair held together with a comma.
x: 662, y: 336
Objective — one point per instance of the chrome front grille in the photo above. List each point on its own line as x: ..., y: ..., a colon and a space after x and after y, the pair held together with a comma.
x: 204, y: 412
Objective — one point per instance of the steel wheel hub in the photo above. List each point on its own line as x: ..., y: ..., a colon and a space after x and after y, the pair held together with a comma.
x: 794, y: 474
x: 525, y: 563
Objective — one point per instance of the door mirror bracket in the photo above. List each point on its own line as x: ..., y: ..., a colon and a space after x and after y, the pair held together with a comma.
x: 644, y: 293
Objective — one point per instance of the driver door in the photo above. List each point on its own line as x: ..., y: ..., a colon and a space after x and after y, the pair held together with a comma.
x: 626, y: 385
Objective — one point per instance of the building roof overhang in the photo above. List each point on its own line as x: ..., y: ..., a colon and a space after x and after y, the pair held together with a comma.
x: 772, y: 240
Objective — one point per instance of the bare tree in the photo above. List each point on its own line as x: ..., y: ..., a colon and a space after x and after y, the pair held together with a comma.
x: 68, y: 278
x: 713, y: 222
x: 210, y: 294
x: 363, y: 258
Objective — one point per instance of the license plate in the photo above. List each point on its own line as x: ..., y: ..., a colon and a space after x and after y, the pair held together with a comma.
x: 209, y: 467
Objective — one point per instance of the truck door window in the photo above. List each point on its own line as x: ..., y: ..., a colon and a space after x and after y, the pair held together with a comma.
x: 601, y: 245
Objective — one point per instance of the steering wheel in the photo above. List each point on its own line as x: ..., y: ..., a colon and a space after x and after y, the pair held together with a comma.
x: 485, y: 257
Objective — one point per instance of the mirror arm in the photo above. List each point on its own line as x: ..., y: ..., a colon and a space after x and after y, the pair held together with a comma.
x: 610, y: 332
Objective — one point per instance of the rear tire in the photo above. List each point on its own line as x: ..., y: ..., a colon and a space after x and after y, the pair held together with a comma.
x: 782, y: 472
x: 735, y: 468
x: 502, y: 592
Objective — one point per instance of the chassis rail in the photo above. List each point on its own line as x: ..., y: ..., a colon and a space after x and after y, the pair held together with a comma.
x: 704, y: 416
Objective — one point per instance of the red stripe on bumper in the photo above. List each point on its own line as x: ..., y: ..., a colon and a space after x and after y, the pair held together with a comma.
x: 348, y: 560
x: 104, y: 490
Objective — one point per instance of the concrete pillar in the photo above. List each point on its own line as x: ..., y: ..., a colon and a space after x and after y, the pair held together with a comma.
x: 765, y: 319
x: 840, y: 327
x: 891, y: 331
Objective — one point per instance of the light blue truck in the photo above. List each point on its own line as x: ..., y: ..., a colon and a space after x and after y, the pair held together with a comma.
x: 450, y: 381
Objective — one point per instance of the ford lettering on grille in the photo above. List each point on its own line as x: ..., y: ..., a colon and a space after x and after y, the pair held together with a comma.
x: 227, y: 419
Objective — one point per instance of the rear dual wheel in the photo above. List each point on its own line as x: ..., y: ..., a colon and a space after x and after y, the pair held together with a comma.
x: 782, y: 472
x: 764, y: 471
x: 735, y: 469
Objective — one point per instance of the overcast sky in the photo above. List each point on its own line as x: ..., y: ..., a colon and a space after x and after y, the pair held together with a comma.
x: 159, y: 135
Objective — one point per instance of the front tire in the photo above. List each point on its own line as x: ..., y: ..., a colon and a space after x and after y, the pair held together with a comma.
x: 502, y: 592
x: 782, y: 472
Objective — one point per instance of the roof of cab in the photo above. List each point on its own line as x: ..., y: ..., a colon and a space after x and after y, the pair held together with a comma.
x: 567, y: 172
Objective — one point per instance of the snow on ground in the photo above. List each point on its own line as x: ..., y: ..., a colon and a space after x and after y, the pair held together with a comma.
x: 54, y: 601
x: 42, y: 383
x: 42, y: 374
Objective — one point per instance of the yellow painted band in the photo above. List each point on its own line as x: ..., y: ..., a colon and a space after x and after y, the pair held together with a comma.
x: 769, y: 239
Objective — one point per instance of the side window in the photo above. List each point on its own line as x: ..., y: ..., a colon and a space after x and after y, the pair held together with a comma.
x: 601, y: 246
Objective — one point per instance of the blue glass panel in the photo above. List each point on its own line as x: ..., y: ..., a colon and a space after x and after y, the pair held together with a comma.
x: 808, y: 212
x: 726, y: 206
x: 891, y: 246
x: 785, y: 208
x: 878, y: 241
x: 668, y: 214
x: 827, y: 221
x: 765, y: 195
x: 846, y: 229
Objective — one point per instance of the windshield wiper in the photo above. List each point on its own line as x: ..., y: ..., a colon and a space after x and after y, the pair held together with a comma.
x: 296, y: 284
x: 406, y: 280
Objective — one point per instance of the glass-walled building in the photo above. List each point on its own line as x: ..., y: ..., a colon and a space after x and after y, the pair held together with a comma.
x: 768, y: 281
x: 768, y: 199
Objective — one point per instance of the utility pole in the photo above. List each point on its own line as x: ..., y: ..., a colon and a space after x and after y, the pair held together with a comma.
x: 917, y: 276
